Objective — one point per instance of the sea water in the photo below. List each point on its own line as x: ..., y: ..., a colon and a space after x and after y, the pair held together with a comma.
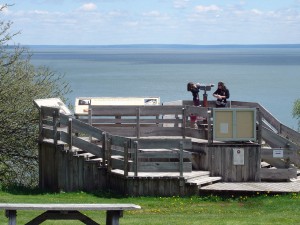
x: 267, y: 74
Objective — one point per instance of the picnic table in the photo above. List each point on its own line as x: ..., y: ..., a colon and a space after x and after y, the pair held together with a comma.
x: 67, y: 212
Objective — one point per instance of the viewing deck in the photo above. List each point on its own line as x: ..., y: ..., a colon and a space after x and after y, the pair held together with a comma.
x: 156, y: 150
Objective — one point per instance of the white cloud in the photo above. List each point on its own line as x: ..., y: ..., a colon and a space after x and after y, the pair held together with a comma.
x: 88, y: 7
x: 39, y: 12
x: 131, y: 24
x: 155, y: 15
x: 152, y: 14
x: 205, y: 24
x: 178, y: 4
x: 256, y: 11
x: 210, y: 8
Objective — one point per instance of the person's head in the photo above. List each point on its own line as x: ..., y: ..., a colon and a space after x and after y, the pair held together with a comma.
x: 190, y: 86
x: 221, y: 85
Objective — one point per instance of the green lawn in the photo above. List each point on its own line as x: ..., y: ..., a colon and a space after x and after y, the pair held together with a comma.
x: 257, y: 209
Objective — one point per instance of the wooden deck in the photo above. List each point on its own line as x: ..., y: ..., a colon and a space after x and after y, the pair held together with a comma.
x: 143, y: 151
x: 270, y: 187
x: 213, y: 184
x: 186, y: 176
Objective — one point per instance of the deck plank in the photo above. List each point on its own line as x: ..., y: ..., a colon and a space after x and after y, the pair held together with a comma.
x: 285, y: 187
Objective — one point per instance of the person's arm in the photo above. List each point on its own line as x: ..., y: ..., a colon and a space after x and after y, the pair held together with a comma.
x: 216, y: 95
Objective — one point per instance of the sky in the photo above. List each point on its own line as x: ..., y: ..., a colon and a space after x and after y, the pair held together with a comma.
x: 114, y: 22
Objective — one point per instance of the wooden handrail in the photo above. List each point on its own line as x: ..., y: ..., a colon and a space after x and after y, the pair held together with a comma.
x: 107, y: 140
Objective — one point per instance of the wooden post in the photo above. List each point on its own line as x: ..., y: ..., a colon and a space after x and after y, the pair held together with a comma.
x: 181, y: 159
x: 41, y: 124
x: 90, y: 122
x: 109, y: 160
x: 104, y: 148
x: 136, y: 149
x: 177, y: 119
x: 209, y: 128
x: 183, y: 122
x: 70, y: 132
x: 125, y: 158
x: 259, y: 128
x: 55, y: 123
x: 138, y: 122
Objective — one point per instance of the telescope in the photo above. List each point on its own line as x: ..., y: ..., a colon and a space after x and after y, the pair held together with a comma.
x: 205, y: 87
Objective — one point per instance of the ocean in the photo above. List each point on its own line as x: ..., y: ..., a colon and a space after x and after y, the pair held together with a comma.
x: 268, y: 74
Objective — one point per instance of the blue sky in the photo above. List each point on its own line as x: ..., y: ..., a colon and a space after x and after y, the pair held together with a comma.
x: 106, y: 22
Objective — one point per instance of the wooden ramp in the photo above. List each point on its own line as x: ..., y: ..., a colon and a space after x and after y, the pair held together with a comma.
x: 199, y: 178
x: 270, y: 187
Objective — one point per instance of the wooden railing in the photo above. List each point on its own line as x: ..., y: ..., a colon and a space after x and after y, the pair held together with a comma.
x: 75, y: 134
x: 115, y: 134
x: 144, y: 121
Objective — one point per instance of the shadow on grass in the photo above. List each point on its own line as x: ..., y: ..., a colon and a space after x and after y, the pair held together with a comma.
x: 205, y: 196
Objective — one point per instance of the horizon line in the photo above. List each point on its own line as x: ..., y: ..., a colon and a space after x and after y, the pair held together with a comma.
x: 161, y: 45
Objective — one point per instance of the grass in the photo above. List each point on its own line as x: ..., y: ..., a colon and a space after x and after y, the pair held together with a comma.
x: 256, y: 209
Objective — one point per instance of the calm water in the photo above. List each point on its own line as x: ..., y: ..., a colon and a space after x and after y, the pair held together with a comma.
x: 265, y: 74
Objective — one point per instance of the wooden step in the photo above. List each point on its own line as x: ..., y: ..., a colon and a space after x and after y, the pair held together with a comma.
x: 198, y: 175
x: 202, y: 181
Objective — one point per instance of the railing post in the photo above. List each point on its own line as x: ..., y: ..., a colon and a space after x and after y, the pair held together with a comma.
x: 41, y: 124
x: 90, y: 122
x: 109, y: 159
x: 181, y: 159
x: 125, y: 158
x: 138, y: 122
x: 55, y: 115
x: 135, y: 146
x: 259, y: 128
x: 209, y: 127
x: 183, y: 122
x: 70, y: 132
x: 104, y: 148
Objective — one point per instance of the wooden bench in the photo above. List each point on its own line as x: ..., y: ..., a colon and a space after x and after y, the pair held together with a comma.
x: 67, y: 212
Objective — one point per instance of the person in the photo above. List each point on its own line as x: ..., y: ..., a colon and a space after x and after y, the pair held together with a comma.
x: 222, y: 94
x: 194, y: 88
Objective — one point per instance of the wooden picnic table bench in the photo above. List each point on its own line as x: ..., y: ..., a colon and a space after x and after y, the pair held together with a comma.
x: 67, y: 212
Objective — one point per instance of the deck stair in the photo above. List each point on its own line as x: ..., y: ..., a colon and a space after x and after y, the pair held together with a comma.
x: 202, y: 179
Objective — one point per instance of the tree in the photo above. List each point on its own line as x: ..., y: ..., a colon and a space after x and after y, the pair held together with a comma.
x: 20, y: 84
x: 296, y: 111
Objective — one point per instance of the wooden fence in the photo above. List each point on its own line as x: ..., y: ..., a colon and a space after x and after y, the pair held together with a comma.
x: 137, y: 139
x: 119, y: 152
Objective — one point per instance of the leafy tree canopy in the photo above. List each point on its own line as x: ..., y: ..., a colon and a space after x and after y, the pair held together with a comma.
x: 20, y: 84
x: 296, y: 111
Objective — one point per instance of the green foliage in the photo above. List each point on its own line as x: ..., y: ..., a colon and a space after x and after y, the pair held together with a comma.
x: 296, y: 111
x: 20, y: 84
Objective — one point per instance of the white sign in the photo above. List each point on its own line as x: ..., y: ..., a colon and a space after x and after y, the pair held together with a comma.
x: 238, y: 156
x: 82, y: 103
x: 277, y: 153
x: 224, y: 128
x: 53, y: 102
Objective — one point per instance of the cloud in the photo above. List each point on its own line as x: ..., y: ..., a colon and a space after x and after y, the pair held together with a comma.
x: 178, y: 4
x: 155, y: 15
x: 257, y: 12
x: 205, y: 24
x: 88, y: 7
x: 210, y: 8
